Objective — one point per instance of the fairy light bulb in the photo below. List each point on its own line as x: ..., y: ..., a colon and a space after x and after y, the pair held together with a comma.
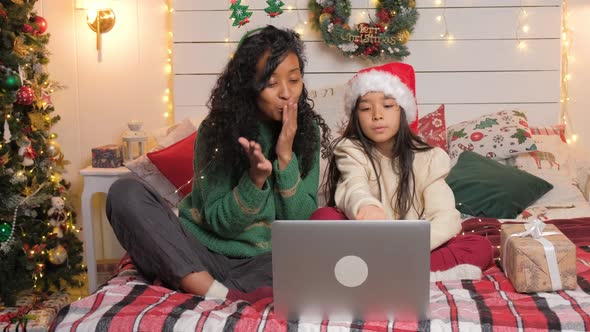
x: 167, y: 98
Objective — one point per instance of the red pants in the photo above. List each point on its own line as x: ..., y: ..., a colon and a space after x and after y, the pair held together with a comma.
x: 462, y: 249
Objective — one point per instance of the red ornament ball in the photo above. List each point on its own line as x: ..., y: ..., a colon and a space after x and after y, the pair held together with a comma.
x: 25, y: 96
x: 41, y: 24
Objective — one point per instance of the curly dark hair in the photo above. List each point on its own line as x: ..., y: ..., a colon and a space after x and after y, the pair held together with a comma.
x: 233, y: 110
x: 406, y: 144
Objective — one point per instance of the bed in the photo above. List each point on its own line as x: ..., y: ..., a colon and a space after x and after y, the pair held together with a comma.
x: 128, y: 303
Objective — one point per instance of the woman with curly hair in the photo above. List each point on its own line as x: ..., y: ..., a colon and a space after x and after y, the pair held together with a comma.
x: 256, y: 160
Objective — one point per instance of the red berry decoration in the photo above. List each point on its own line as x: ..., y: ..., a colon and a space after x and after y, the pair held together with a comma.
x: 41, y: 24
x: 25, y: 96
x: 27, y: 28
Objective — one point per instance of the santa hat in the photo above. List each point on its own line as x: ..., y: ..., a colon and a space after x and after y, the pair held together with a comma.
x: 395, y: 79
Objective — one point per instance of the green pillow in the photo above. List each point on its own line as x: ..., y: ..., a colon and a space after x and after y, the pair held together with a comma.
x: 483, y: 187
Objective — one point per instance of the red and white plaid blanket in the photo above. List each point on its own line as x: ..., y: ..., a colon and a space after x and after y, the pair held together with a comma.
x: 128, y: 303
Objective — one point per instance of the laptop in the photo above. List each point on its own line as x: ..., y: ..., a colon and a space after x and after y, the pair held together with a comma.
x: 347, y: 270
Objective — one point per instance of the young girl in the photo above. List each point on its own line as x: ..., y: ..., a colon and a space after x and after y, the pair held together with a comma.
x: 256, y: 160
x: 380, y: 169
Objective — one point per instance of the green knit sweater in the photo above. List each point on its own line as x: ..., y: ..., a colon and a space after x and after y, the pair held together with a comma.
x: 228, y: 214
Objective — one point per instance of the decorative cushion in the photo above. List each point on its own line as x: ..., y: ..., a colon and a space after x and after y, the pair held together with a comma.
x: 551, y: 155
x: 432, y: 128
x: 176, y: 162
x: 497, y: 136
x: 145, y: 169
x: 486, y: 188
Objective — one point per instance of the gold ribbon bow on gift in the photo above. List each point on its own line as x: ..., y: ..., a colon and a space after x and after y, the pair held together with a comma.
x: 535, y: 229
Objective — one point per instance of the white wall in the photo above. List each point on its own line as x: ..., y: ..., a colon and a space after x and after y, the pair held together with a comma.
x: 579, y: 106
x: 102, y: 96
x: 481, y: 71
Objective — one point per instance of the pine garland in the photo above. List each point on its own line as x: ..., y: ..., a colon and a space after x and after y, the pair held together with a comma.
x: 385, y: 38
x: 31, y: 163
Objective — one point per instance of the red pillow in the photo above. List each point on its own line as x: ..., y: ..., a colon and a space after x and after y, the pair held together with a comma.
x: 175, y: 162
x: 433, y: 129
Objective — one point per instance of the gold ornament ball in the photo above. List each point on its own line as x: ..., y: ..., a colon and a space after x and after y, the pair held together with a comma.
x: 53, y: 148
x: 403, y: 36
x: 325, y: 16
x: 58, y: 255
x: 412, y: 3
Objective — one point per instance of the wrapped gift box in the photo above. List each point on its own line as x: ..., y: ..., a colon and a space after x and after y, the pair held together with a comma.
x: 41, y: 311
x: 107, y: 156
x: 526, y: 263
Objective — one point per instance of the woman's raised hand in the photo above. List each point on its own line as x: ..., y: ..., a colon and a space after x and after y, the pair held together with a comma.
x: 284, y: 147
x: 371, y: 212
x: 260, y: 167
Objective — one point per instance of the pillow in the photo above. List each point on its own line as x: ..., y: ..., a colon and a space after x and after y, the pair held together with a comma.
x: 486, y: 188
x: 432, y: 128
x: 497, y: 135
x: 176, y: 162
x: 149, y: 173
x: 551, y: 156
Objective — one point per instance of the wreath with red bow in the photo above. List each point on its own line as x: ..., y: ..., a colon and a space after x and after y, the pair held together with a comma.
x: 385, y: 37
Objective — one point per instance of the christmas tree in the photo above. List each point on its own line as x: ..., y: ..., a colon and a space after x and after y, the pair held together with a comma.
x: 274, y: 8
x: 39, y: 247
x: 240, y: 13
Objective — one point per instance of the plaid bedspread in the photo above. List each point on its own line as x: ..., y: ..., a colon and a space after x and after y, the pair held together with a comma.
x: 128, y: 303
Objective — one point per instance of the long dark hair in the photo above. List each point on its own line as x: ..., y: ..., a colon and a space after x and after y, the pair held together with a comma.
x: 406, y: 144
x: 233, y: 111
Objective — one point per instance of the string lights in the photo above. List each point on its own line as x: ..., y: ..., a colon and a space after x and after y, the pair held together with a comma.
x: 566, y: 44
x: 521, y: 27
x: 443, y: 19
x: 168, y: 96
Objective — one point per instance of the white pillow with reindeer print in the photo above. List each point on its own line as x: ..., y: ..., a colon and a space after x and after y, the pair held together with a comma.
x: 552, y: 156
x: 497, y: 136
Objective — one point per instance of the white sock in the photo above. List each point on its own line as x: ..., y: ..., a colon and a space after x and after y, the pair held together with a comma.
x: 217, y: 290
x: 459, y: 272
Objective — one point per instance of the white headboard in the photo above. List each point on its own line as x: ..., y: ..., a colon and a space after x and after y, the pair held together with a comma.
x: 482, y: 70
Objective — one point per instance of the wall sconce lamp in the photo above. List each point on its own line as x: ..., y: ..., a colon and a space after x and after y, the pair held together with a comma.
x: 99, y: 16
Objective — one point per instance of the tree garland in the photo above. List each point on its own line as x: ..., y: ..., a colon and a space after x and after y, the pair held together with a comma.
x: 385, y: 38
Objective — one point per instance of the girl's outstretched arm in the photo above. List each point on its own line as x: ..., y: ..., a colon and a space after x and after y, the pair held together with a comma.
x: 353, y: 190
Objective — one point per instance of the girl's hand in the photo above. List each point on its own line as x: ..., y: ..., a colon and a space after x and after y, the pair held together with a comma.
x: 260, y: 167
x: 284, y: 147
x: 371, y: 212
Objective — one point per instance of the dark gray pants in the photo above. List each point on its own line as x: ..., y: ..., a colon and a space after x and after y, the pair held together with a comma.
x: 161, y: 248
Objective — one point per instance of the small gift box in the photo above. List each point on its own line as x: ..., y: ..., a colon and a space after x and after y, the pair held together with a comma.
x: 107, y: 156
x: 537, y: 257
x: 24, y: 318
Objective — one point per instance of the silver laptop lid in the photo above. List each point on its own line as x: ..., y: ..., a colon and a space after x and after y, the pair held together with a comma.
x: 355, y: 269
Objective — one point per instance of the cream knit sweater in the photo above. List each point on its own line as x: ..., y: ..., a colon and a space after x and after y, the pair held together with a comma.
x: 358, y: 186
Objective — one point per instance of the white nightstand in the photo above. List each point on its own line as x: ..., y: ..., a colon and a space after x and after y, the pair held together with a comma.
x: 96, y: 180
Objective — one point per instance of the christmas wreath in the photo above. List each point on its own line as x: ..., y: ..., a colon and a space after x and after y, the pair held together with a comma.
x: 386, y: 37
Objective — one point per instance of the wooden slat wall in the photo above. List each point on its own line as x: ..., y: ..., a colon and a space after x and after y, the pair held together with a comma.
x: 481, y: 71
